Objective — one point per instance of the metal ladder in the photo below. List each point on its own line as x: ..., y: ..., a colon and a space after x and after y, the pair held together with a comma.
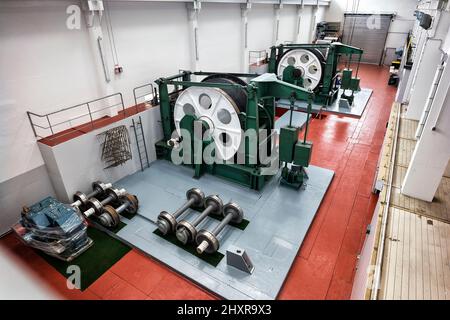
x: 140, y: 143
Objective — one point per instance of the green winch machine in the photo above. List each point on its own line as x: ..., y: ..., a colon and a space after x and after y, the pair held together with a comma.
x: 315, y: 67
x: 222, y: 107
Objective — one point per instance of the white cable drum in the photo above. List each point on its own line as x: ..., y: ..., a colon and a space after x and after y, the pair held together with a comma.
x: 307, y: 62
x: 218, y: 110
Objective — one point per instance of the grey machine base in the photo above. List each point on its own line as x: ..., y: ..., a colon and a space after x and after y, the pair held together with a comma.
x: 357, y: 109
x: 279, y: 220
x: 298, y: 120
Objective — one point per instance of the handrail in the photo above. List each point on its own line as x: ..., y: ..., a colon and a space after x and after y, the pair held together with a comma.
x: 51, y: 126
x: 79, y: 105
x: 152, y: 90
x: 384, y: 219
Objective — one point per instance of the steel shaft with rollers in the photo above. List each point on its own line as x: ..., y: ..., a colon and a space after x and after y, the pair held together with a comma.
x: 111, y: 218
x: 167, y: 222
x: 207, y: 240
x: 96, y: 206
x: 186, y: 231
x: 98, y: 187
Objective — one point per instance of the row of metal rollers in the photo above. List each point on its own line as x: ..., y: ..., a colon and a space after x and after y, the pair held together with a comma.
x: 186, y: 231
x: 106, y: 214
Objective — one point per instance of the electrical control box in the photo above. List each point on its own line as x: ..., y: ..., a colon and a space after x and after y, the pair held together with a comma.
x: 425, y: 19
x: 346, y: 78
x: 288, y: 139
x: 302, y: 153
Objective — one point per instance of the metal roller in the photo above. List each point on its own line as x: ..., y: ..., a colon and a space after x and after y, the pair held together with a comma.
x: 207, y: 240
x: 96, y: 206
x: 110, y: 217
x: 186, y: 231
x: 167, y: 222
x: 98, y: 187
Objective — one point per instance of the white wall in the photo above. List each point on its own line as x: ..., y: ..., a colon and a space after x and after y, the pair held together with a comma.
x: 219, y: 37
x: 260, y: 27
x: 402, y: 23
x: 288, y: 23
x: 148, y: 47
x: 305, y: 24
x: 45, y: 66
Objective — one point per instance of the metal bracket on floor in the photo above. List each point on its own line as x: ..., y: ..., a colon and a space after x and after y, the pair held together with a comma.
x: 238, y: 258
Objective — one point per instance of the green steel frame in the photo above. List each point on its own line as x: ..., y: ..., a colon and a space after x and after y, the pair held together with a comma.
x: 259, y: 114
x: 327, y: 92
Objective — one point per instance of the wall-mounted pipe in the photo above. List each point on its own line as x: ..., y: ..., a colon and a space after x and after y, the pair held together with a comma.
x: 431, y: 96
x: 103, y: 59
x: 245, y: 9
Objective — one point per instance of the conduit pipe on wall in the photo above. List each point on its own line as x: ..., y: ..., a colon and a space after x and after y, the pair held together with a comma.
x: 430, y: 99
x: 245, y: 9
x: 193, y: 11
x: 94, y: 13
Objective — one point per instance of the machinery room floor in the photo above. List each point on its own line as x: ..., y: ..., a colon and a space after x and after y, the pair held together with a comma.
x: 326, y: 263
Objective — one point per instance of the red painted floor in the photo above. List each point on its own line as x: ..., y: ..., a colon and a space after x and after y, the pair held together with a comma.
x: 325, y: 265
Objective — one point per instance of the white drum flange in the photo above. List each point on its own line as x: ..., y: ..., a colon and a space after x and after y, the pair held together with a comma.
x: 307, y: 62
x: 218, y: 110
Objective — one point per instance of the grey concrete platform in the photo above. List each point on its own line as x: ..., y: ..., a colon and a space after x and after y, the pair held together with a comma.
x: 279, y: 220
x: 359, y: 105
x: 298, y: 120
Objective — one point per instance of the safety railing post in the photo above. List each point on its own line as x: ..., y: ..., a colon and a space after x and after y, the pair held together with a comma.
x: 90, y: 115
x: 32, y: 124
x: 49, y: 124
x: 123, y: 105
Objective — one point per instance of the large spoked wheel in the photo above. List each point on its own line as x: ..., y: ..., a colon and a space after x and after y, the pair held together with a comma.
x: 218, y: 110
x: 310, y: 63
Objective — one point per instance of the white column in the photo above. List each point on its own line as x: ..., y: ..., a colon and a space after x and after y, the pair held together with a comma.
x: 312, y: 28
x: 298, y: 24
x: 193, y: 10
x: 421, y: 36
x: 245, y: 8
x: 428, y: 62
x: 276, y: 23
x: 432, y: 152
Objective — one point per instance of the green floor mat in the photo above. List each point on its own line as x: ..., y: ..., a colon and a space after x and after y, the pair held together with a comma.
x: 103, y: 254
x: 213, y: 259
x: 127, y: 215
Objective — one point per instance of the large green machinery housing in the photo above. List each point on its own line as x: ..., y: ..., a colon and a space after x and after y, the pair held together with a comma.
x: 316, y: 67
x: 227, y: 106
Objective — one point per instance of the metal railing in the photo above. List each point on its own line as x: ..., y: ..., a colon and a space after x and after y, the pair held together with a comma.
x: 70, y: 118
x: 257, y: 58
x: 145, y: 93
